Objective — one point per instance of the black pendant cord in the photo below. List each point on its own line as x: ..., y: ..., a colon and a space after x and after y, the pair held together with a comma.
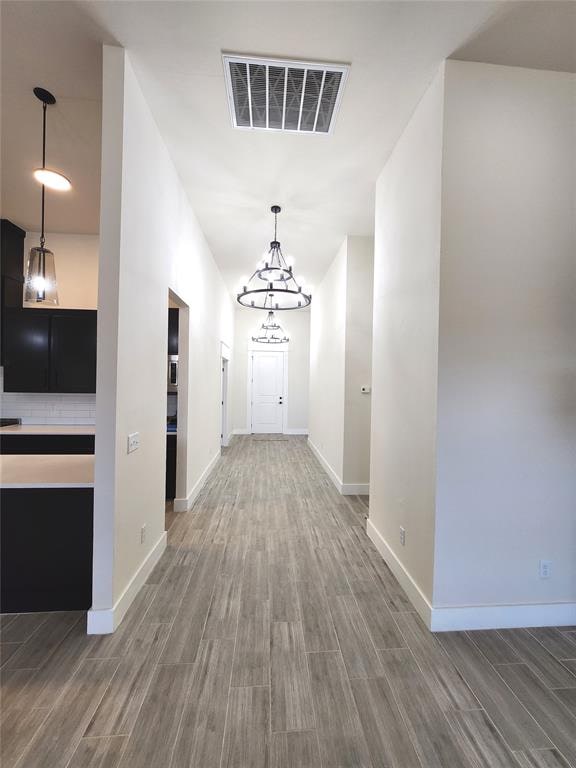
x: 42, y: 237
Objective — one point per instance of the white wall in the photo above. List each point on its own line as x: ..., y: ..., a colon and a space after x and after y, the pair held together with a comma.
x: 327, y: 366
x: 297, y: 325
x: 150, y: 243
x: 405, y: 342
x: 474, y: 402
x: 358, y: 370
x: 76, y: 261
x: 340, y: 364
x: 507, y: 387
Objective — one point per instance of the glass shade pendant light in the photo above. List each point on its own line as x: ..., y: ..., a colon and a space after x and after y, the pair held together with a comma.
x: 271, y: 332
x: 273, y: 285
x: 40, y: 281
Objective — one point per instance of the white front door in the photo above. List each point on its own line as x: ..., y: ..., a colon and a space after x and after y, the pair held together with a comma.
x: 267, y: 391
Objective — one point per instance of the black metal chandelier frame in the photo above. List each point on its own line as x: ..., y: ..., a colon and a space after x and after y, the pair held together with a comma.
x: 282, y: 291
x: 269, y: 328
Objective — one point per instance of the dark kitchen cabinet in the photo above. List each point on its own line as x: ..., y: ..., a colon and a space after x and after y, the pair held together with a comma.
x: 27, y: 350
x: 172, y: 331
x: 25, y: 444
x: 73, y: 351
x: 46, y: 549
x: 11, y: 271
x: 50, y: 350
x: 170, y: 466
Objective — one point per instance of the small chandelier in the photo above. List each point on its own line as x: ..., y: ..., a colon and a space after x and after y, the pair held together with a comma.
x: 40, y: 281
x: 271, y: 332
x: 281, y: 289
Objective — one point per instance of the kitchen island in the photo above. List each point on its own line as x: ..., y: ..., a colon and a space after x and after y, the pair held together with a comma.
x: 46, y: 525
x: 47, y: 438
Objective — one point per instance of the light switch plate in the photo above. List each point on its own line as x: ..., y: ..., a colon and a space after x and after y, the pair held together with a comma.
x: 133, y: 442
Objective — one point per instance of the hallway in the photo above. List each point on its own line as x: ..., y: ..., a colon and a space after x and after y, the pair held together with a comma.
x: 271, y: 633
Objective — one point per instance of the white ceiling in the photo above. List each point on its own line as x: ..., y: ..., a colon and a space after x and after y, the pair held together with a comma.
x: 324, y: 183
x: 57, y: 47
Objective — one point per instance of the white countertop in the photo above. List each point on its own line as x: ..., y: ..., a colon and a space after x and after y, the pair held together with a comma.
x: 48, y: 429
x: 47, y: 471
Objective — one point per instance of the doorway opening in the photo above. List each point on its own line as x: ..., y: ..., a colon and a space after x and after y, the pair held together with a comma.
x: 224, y: 431
x: 176, y: 406
x: 267, y: 372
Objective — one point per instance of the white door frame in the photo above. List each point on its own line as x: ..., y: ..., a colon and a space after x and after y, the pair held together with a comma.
x: 224, y: 436
x: 252, y: 350
x: 225, y: 393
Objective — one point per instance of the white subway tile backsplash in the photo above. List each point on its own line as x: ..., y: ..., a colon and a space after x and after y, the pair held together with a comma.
x: 40, y: 408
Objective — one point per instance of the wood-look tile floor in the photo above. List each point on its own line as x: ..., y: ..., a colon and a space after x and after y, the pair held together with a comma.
x: 272, y: 635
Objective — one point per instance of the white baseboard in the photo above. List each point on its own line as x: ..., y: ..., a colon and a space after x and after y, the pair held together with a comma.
x: 355, y: 489
x: 346, y: 489
x: 183, y: 505
x: 241, y: 432
x: 326, y: 466
x: 415, y: 594
x: 451, y: 618
x: 102, y: 621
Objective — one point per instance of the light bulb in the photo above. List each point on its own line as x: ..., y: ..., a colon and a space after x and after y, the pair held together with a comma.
x: 39, y: 283
x: 52, y: 179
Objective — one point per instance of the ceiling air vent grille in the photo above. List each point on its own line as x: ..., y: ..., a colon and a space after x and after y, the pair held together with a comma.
x: 270, y: 94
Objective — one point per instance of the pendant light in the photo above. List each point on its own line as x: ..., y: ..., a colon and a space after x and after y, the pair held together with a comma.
x: 273, y: 285
x: 271, y: 332
x: 40, y: 281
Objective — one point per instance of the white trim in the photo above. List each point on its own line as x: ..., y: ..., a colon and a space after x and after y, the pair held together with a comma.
x: 461, y: 617
x: 326, y: 466
x: 298, y: 431
x: 346, y: 489
x: 452, y: 618
x: 224, y: 434
x: 103, y: 621
x: 241, y: 432
x: 183, y: 505
x: 415, y: 594
x: 225, y: 350
x: 355, y: 489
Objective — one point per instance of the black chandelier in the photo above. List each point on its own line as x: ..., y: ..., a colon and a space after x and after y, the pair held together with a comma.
x: 282, y: 290
x: 271, y: 332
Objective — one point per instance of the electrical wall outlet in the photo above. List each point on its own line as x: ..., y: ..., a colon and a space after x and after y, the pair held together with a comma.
x: 133, y: 441
x: 142, y: 534
x: 402, y: 536
x: 545, y: 569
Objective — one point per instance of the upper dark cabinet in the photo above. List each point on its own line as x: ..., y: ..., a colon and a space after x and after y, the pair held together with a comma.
x: 12, y: 251
x: 26, y: 350
x: 50, y: 350
x: 172, y: 331
x: 11, y: 271
x: 73, y: 351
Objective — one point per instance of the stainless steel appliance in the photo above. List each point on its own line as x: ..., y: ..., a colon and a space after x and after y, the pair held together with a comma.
x: 172, y: 373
